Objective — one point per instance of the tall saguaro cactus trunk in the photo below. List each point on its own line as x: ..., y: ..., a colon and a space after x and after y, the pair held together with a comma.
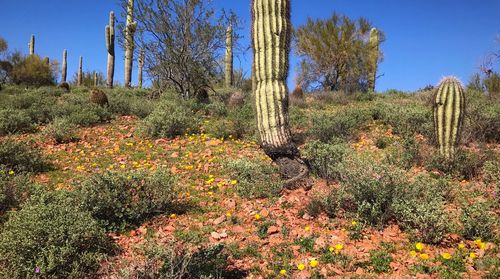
x: 271, y: 33
x: 449, y: 109
x: 129, y: 42
x: 110, y: 46
x: 140, y: 67
x: 374, y: 55
x: 80, y: 72
x: 229, y: 77
x: 32, y: 45
x: 64, y: 70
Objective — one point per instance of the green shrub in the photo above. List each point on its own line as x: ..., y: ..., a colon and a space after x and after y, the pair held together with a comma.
x: 407, y: 118
x: 51, y: 238
x: 325, y: 158
x: 121, y: 104
x: 482, y: 118
x: 478, y: 221
x: 14, y: 190
x: 168, y: 120
x: 119, y: 201
x: 255, y: 179
x: 491, y: 173
x: 342, y: 124
x: 33, y: 71
x: 61, y: 130
x: 21, y: 157
x: 14, y: 121
x: 465, y: 165
x: 380, y: 261
x: 405, y: 154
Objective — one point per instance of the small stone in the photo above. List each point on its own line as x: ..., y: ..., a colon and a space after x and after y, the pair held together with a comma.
x: 272, y: 230
x: 307, y: 217
x: 215, y: 235
x: 219, y: 220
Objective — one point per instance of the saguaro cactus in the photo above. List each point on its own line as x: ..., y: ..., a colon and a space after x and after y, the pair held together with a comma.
x: 374, y: 55
x: 129, y: 42
x: 449, y: 108
x: 64, y: 70
x: 139, y: 69
x: 46, y: 60
x: 110, y: 46
x: 229, y: 78
x: 271, y: 33
x: 80, y: 72
x: 32, y: 44
x: 95, y: 79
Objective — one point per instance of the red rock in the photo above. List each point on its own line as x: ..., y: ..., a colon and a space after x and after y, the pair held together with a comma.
x: 272, y: 230
x: 219, y: 220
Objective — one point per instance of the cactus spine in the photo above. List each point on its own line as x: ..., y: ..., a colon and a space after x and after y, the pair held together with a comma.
x: 374, y: 55
x: 140, y: 66
x: 449, y: 108
x: 64, y: 70
x: 80, y: 72
x: 129, y: 42
x: 110, y: 46
x: 271, y: 32
x: 229, y: 78
x: 32, y: 45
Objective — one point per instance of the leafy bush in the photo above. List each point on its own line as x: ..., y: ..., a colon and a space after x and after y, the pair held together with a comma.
x: 478, y: 221
x: 465, y: 164
x: 168, y: 120
x: 405, y: 154
x: 342, y: 124
x: 119, y: 200
x: 14, y: 121
x: 491, y: 173
x: 77, y: 108
x: 61, y: 130
x: 125, y: 104
x: 254, y: 179
x: 325, y: 158
x: 21, y: 157
x: 482, y: 118
x: 406, y: 118
x: 33, y: 71
x: 51, y: 238
x: 14, y: 190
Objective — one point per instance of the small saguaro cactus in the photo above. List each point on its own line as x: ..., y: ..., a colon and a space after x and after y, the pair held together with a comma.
x: 129, y: 42
x: 229, y: 78
x: 32, y: 45
x: 110, y: 46
x: 64, y: 69
x: 95, y: 79
x: 140, y: 67
x: 449, y: 109
x: 271, y: 34
x: 374, y: 55
x: 80, y: 72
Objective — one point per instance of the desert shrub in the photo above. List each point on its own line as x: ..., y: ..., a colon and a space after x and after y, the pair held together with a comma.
x: 130, y: 104
x: 98, y: 97
x: 405, y: 153
x: 168, y: 120
x: 465, y: 165
x: 216, y: 108
x: 406, y: 118
x: 41, y: 110
x: 478, y: 221
x: 14, y: 121
x: 51, y: 238
x: 14, y: 190
x: 325, y: 158
x: 21, y: 157
x: 61, y: 130
x: 79, y: 111
x: 33, y: 71
x: 482, y: 119
x: 254, y: 179
x: 341, y: 124
x: 239, y: 123
x: 119, y: 201
x: 491, y: 173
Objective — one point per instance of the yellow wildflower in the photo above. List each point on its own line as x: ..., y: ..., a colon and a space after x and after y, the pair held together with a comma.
x: 282, y: 272
x: 301, y: 266
x: 257, y: 216
x: 11, y: 172
x: 313, y: 263
x: 413, y: 253
x: 354, y: 222
x: 234, y: 182
x: 307, y: 228
x: 173, y: 216
x: 481, y: 245
x: 446, y: 256
x: 419, y: 246
x: 228, y: 214
x: 461, y: 245
x: 424, y: 256
x: 472, y: 255
x: 331, y: 249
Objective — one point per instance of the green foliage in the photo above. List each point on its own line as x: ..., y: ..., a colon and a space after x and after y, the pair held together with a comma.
x: 61, y: 130
x: 255, y: 179
x: 482, y: 118
x: 491, y: 173
x: 119, y: 201
x: 51, y: 238
x: 14, y: 190
x: 465, y: 165
x: 341, y: 124
x: 33, y: 71
x: 168, y: 120
x: 14, y: 121
x: 380, y: 261
x: 325, y: 158
x: 478, y: 221
x: 405, y: 117
x: 405, y: 154
x: 238, y: 123
x: 21, y: 157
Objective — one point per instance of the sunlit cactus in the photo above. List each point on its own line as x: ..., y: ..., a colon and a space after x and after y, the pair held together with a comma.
x: 229, y: 78
x: 110, y: 46
x: 449, y: 109
x: 129, y: 42
x: 374, y: 56
x: 64, y: 70
x: 140, y: 67
x: 80, y: 72
x: 32, y: 45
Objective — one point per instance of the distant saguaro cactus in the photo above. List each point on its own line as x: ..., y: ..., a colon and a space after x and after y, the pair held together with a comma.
x: 46, y: 60
x: 271, y: 34
x: 80, y: 72
x: 110, y: 46
x: 229, y: 78
x: 374, y: 55
x: 129, y: 42
x: 139, y: 69
x: 449, y: 109
x: 64, y: 69
x: 95, y: 79
x: 32, y: 44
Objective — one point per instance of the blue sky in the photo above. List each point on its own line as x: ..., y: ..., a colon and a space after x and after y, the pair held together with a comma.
x: 426, y: 39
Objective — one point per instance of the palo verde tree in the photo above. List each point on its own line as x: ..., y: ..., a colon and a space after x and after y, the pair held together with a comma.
x: 271, y: 33
x: 335, y: 53
x: 183, y: 42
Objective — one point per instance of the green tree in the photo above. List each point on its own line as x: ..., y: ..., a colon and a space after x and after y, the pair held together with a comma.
x: 5, y: 65
x: 33, y: 71
x: 335, y: 53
